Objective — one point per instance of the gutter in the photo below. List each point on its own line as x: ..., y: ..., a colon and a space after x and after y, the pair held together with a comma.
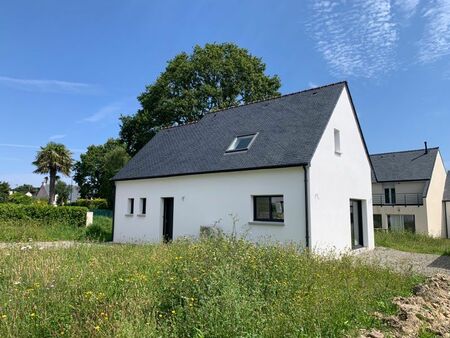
x: 307, y: 239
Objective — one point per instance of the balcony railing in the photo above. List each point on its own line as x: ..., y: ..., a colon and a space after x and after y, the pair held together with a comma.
x: 400, y: 199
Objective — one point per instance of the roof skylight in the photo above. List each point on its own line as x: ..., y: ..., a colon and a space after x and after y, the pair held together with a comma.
x: 241, y: 143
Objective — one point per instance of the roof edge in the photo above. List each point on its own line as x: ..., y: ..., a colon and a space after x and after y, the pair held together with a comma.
x: 403, y: 151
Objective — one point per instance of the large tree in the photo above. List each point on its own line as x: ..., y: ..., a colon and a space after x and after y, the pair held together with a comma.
x: 52, y: 159
x: 213, y: 77
x: 94, y: 170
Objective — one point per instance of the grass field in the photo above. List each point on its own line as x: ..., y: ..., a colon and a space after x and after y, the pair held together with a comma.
x: 210, y: 288
x: 25, y: 230
x: 408, y: 241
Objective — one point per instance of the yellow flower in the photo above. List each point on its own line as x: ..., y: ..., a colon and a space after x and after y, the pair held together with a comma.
x: 97, y: 328
x: 3, y: 316
x: 174, y: 312
x: 33, y: 314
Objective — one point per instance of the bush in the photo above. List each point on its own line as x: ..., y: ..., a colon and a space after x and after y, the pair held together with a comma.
x: 96, y: 203
x: 75, y: 216
x: 18, y: 198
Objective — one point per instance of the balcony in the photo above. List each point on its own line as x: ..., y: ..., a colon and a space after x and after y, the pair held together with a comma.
x: 400, y: 199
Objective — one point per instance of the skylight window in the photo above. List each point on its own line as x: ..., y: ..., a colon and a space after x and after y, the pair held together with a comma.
x: 241, y: 143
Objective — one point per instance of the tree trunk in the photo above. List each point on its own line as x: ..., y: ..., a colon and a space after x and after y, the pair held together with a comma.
x: 51, y: 193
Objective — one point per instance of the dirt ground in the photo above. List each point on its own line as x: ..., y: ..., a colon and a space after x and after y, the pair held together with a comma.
x: 426, y: 311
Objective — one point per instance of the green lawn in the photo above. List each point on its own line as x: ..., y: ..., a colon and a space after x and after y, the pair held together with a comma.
x: 408, y: 241
x: 209, y: 288
x: 25, y: 230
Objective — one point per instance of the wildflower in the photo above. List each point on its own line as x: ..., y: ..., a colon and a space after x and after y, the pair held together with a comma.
x: 33, y: 314
x: 16, y: 283
x: 3, y: 316
x: 174, y: 312
x: 97, y: 328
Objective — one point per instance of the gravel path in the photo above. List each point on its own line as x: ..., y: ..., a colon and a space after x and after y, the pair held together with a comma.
x: 425, y: 264
x: 39, y: 245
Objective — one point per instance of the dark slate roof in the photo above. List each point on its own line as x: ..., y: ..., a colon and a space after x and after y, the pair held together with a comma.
x: 289, y: 129
x: 404, y: 165
x: 447, y: 188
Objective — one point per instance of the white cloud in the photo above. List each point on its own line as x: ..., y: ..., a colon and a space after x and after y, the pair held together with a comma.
x: 57, y: 137
x: 407, y: 7
x: 103, y: 113
x: 29, y: 146
x: 435, y: 42
x: 54, y: 86
x: 356, y: 38
x: 312, y: 84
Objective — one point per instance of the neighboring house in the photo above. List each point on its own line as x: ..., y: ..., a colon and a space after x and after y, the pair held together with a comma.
x: 44, y: 190
x: 288, y: 169
x: 74, y: 194
x: 446, y: 201
x: 408, y: 187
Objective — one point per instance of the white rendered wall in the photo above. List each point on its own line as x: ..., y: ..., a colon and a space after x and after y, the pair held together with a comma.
x: 335, y: 179
x: 209, y: 198
x: 433, y: 201
x: 419, y: 212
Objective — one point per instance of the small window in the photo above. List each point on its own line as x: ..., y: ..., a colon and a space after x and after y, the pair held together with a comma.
x: 143, y: 206
x: 131, y: 206
x: 241, y: 143
x: 337, y: 141
x: 377, y: 222
x: 268, y: 208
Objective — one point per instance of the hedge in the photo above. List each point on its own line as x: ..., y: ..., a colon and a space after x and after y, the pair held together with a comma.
x: 64, y: 215
x: 96, y: 203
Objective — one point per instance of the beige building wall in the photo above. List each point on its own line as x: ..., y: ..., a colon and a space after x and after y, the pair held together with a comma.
x: 420, y: 213
x: 433, y: 201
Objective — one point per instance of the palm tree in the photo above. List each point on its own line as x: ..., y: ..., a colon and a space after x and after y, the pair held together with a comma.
x: 52, y: 159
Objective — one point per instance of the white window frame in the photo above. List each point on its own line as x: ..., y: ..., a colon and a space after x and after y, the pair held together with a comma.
x: 337, y: 141
x: 232, y: 147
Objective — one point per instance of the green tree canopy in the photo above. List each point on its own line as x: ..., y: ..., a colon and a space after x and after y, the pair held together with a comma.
x: 4, y: 191
x: 94, y: 170
x: 213, y: 77
x: 52, y: 159
x: 24, y: 188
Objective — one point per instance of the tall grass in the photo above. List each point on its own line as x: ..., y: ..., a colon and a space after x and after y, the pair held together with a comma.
x: 209, y: 288
x: 408, y: 241
x: 26, y: 230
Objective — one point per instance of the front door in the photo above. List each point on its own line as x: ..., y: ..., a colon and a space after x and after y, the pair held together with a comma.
x: 356, y: 223
x: 168, y: 219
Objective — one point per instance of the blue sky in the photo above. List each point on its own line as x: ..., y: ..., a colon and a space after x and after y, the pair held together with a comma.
x: 69, y: 69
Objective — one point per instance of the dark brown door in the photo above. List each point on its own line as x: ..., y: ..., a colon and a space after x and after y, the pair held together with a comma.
x: 168, y: 219
x: 356, y: 223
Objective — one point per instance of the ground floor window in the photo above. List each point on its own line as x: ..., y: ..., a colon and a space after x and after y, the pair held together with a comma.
x: 268, y: 208
x: 402, y: 222
x: 377, y: 221
x: 131, y: 206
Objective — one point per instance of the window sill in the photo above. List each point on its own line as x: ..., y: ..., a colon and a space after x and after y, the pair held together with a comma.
x: 265, y: 223
x: 141, y: 215
x: 338, y: 153
x: 129, y: 215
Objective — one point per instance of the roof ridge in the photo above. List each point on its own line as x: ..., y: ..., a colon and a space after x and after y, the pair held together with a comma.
x: 403, y: 151
x: 277, y: 97
x: 179, y: 125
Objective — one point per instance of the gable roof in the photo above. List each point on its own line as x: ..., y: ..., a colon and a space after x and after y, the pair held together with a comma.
x: 411, y: 165
x: 288, y: 129
x: 447, y: 188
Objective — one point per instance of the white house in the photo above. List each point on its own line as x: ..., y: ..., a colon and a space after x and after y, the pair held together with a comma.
x: 408, y: 190
x: 289, y: 169
x: 446, y: 206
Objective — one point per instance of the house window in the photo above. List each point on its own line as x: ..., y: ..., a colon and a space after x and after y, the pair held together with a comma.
x: 143, y: 206
x: 337, y: 141
x: 389, y: 196
x: 377, y: 221
x: 268, y: 208
x: 402, y: 223
x: 131, y: 206
x: 241, y: 143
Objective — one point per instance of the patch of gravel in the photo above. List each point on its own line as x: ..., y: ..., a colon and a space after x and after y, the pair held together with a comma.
x: 428, y: 309
x: 425, y: 264
x: 39, y: 245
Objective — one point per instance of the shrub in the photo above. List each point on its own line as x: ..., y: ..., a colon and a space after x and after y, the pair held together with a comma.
x: 75, y: 216
x: 96, y: 203
x: 18, y: 198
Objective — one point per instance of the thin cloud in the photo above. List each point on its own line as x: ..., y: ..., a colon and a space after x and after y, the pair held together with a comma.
x: 407, y: 7
x: 312, y: 84
x: 103, y: 113
x: 50, y: 86
x: 356, y: 38
x: 435, y: 42
x: 57, y: 137
x: 30, y: 146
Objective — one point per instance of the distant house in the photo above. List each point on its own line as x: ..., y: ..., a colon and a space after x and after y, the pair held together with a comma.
x: 288, y: 169
x: 44, y: 190
x: 408, y: 190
